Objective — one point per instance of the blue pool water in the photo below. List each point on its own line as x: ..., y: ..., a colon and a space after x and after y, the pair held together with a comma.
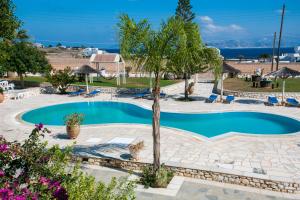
x: 209, y: 124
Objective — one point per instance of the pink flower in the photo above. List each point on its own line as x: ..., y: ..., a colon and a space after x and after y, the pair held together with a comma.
x: 2, y: 173
x: 5, y: 193
x: 3, y: 147
x: 20, y: 197
x: 39, y: 126
x: 44, y: 180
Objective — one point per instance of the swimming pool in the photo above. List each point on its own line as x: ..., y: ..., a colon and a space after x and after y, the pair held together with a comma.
x: 207, y: 124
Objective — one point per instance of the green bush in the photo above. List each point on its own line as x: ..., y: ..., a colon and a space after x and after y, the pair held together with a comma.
x: 159, y: 179
x: 61, y: 79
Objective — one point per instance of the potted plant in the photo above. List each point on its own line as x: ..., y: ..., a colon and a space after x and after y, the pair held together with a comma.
x: 1, y: 95
x: 72, y: 123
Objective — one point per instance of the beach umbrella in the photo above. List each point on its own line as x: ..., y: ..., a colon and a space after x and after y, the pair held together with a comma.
x: 86, y: 70
x: 284, y: 73
x: 227, y: 69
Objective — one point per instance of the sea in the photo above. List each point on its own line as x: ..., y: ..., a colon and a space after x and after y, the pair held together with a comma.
x: 234, y: 53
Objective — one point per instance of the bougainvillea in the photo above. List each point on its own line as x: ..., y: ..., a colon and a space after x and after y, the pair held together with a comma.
x: 32, y: 170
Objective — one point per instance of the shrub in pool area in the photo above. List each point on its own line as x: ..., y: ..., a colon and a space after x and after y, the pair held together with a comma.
x: 73, y: 122
x: 32, y: 170
x: 61, y: 79
x: 135, y: 149
x: 159, y: 179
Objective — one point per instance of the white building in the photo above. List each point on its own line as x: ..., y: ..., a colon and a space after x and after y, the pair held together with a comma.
x: 38, y: 45
x: 291, y: 57
x: 88, y: 52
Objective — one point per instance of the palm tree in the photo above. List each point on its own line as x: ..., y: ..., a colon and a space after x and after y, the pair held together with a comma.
x: 154, y: 51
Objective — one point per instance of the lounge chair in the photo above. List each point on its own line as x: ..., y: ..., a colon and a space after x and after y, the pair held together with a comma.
x: 77, y: 93
x: 229, y: 99
x: 272, y: 100
x: 93, y: 93
x: 163, y: 95
x: 292, y: 102
x: 212, y: 98
x: 142, y: 94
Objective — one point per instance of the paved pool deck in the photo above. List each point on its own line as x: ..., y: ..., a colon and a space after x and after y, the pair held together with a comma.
x: 277, y: 155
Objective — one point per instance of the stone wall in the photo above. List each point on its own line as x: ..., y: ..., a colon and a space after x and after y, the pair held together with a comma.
x: 278, y: 186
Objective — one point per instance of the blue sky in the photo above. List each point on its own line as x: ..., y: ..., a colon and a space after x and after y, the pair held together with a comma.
x: 93, y: 22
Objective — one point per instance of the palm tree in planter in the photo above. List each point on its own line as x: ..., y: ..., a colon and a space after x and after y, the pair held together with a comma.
x: 72, y: 123
x: 156, y: 51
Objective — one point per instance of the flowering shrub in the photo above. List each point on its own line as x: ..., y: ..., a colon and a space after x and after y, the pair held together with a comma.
x: 32, y: 171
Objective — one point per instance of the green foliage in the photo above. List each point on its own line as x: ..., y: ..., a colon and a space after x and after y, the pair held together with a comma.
x: 133, y: 39
x: 152, y: 49
x: 156, y: 179
x: 33, y: 170
x: 85, y: 187
x: 73, y: 119
x: 1, y: 90
x: 61, y: 79
x: 184, y: 11
x: 9, y: 23
x: 264, y: 56
x: 23, y: 58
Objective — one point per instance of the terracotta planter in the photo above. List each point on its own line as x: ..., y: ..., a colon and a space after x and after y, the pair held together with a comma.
x: 1, y: 97
x: 73, y: 131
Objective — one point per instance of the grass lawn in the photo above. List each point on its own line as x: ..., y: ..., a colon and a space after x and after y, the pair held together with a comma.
x: 236, y: 84
x: 38, y: 79
x: 130, y: 82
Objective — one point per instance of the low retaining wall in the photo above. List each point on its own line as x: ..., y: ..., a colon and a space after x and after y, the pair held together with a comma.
x: 110, y: 90
x: 278, y: 186
x: 255, y: 95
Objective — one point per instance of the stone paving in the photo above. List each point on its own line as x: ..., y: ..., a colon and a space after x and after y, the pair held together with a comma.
x: 274, y: 157
x: 191, y: 189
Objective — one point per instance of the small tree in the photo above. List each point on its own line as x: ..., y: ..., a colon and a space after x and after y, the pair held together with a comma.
x: 61, y: 79
x: 157, y: 50
x: 193, y: 58
x: 241, y: 57
x: 184, y: 11
x: 264, y: 56
x: 24, y: 58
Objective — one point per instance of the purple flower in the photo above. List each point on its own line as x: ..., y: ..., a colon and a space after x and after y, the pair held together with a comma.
x: 54, y: 184
x: 20, y: 197
x: 39, y: 126
x: 5, y: 193
x: 35, y: 196
x: 3, y: 147
x: 2, y: 173
x: 26, y: 191
x: 60, y: 194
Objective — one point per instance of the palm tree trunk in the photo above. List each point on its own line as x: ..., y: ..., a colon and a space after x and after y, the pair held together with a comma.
x: 156, y: 125
x: 22, y: 81
x: 186, y: 85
